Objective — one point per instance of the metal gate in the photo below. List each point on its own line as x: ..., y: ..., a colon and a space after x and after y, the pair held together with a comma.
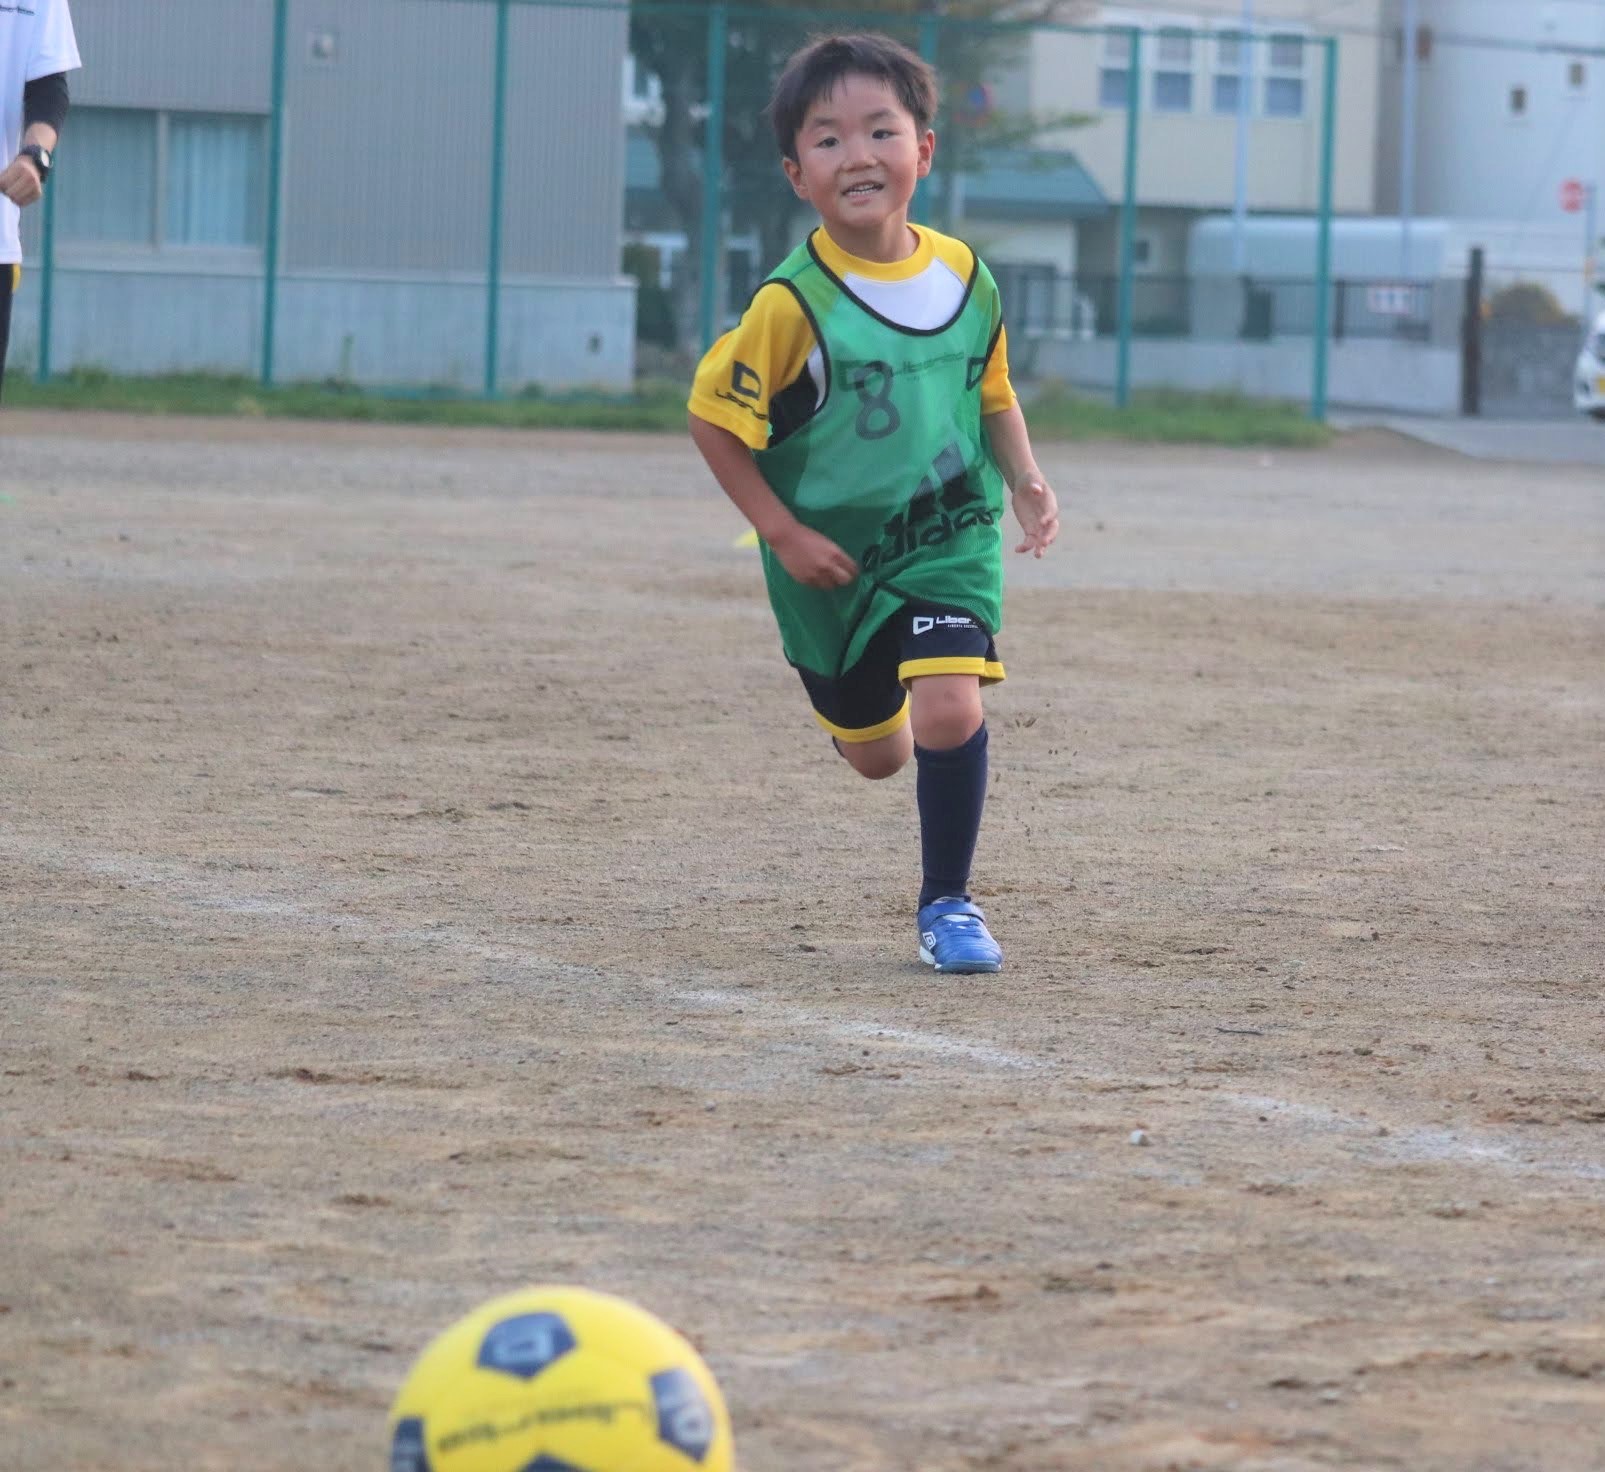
x: 1514, y: 369
x: 1527, y: 370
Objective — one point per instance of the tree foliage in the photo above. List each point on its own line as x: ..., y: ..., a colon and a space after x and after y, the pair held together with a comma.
x: 1529, y: 302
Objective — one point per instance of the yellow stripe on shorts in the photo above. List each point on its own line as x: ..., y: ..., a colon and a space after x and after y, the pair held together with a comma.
x: 866, y: 733
x: 990, y: 671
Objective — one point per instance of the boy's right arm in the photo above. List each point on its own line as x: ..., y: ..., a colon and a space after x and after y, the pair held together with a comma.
x: 809, y: 556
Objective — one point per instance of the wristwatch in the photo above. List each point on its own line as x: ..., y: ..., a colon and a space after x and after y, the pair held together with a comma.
x: 40, y: 156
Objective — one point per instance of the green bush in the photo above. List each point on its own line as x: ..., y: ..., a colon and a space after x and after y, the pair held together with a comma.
x: 1528, y: 302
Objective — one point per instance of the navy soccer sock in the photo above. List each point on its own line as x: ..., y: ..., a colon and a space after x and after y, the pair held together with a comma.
x: 951, y: 791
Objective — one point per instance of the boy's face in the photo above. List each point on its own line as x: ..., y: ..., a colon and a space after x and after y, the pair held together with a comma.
x: 859, y: 155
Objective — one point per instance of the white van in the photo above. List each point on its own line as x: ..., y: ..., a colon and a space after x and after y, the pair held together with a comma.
x: 1588, y: 390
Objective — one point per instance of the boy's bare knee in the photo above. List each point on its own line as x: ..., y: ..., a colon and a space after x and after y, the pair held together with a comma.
x: 946, y: 710
x: 881, y: 758
x: 943, y: 733
x: 879, y: 767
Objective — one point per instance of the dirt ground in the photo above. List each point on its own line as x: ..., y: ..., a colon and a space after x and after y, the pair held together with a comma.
x: 421, y: 877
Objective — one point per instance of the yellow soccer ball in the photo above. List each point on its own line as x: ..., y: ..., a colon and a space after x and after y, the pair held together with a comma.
x: 559, y: 1380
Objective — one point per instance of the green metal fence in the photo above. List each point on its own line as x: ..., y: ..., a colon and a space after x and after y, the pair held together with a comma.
x: 1012, y: 139
x: 580, y: 131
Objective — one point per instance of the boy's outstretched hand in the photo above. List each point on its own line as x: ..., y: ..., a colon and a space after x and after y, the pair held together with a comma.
x: 812, y: 558
x: 1037, y: 509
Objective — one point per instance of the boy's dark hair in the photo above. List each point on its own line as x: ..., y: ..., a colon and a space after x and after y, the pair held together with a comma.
x: 814, y: 71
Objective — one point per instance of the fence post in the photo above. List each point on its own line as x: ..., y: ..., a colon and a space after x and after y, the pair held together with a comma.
x: 47, y: 286
x: 498, y: 148
x: 275, y: 186
x: 1323, y: 248
x: 1128, y: 221
x: 712, y: 176
x: 1471, y: 339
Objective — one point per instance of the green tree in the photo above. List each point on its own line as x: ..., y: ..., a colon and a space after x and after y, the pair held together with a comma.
x: 1529, y: 302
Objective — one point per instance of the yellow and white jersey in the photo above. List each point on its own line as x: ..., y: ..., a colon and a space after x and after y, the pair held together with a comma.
x: 765, y: 377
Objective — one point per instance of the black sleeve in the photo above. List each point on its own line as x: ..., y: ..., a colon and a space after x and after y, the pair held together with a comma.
x: 44, y: 100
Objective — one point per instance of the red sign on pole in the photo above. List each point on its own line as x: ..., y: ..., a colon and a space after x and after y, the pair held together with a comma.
x: 1572, y: 195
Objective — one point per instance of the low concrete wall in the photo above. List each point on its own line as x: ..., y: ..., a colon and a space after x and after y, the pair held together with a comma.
x: 398, y: 329
x: 1406, y: 378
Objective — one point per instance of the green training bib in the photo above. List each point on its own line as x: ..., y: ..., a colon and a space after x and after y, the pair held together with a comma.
x: 894, y: 467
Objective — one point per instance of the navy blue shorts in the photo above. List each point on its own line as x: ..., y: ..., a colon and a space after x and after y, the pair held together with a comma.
x: 871, y: 699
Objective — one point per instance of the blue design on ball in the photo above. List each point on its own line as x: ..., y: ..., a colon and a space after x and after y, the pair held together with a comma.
x: 408, y: 1453
x: 544, y: 1463
x: 526, y: 1345
x: 685, y: 1420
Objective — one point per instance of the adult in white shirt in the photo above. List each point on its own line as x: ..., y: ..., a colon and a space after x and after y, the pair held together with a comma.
x: 37, y: 50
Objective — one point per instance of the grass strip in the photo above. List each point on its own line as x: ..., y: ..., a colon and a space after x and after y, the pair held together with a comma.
x: 1162, y: 416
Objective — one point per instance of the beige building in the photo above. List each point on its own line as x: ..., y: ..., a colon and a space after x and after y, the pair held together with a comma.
x: 1193, y: 70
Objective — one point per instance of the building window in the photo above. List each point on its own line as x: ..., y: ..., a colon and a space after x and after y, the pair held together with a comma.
x: 1284, y: 97
x: 1576, y: 76
x: 108, y: 196
x: 1114, y: 75
x: 164, y: 179
x: 1518, y: 102
x: 1142, y: 252
x: 1173, y: 72
x: 216, y: 180
x: 1284, y: 79
x: 1231, y: 56
x: 1032, y: 291
x: 1287, y: 54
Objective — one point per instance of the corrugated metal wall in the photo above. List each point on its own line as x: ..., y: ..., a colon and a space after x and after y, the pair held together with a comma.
x: 565, y: 156
x: 388, y: 121
x: 200, y: 55
x: 388, y: 143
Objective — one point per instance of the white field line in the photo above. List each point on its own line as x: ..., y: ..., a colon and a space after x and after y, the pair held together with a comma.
x: 1420, y: 1144
x: 201, y: 891
x: 856, y: 1029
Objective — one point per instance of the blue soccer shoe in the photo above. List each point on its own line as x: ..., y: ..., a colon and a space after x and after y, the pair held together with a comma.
x: 954, y: 937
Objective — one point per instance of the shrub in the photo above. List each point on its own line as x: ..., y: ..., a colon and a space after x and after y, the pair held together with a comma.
x: 1528, y: 302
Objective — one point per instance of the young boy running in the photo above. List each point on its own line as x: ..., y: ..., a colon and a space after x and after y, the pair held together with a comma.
x: 860, y: 416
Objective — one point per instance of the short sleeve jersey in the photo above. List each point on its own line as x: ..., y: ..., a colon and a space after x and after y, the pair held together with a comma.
x: 765, y: 377
x: 36, y: 40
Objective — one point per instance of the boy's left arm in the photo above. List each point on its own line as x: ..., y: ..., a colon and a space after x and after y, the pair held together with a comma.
x: 1035, y: 505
